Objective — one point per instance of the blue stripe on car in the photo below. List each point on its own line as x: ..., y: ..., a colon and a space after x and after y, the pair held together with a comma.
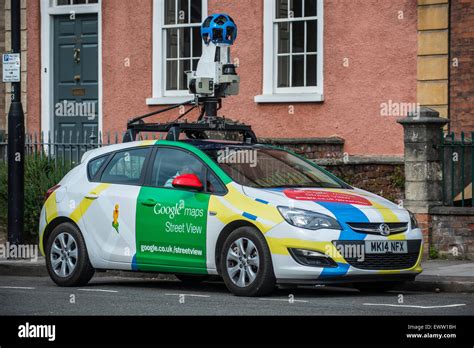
x: 249, y: 216
x: 338, y: 271
x: 261, y: 201
x: 346, y: 213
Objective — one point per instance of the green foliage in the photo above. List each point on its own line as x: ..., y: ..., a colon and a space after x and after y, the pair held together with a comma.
x: 40, y: 175
x: 398, y: 178
x: 433, y: 253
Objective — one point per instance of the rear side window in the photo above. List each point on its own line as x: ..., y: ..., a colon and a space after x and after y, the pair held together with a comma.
x: 125, y: 167
x: 94, y: 166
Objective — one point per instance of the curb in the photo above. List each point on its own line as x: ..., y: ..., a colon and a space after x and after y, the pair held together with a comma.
x: 437, y: 284
x: 26, y: 269
x: 423, y: 283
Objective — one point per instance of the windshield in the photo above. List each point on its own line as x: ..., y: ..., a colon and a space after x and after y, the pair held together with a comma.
x: 269, y: 168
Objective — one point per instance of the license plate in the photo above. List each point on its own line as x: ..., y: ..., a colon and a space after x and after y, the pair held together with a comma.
x: 386, y: 246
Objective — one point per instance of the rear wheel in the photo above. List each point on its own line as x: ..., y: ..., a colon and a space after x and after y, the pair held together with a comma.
x: 67, y: 260
x: 246, y: 263
x: 376, y: 286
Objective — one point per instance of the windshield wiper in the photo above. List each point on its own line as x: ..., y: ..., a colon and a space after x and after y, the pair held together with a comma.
x: 294, y: 186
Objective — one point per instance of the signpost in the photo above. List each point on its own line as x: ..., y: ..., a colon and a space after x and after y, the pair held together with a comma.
x: 16, y: 131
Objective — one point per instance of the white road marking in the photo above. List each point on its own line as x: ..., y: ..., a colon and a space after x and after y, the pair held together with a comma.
x: 414, y: 306
x: 281, y: 299
x: 98, y: 290
x: 192, y: 295
x: 17, y: 287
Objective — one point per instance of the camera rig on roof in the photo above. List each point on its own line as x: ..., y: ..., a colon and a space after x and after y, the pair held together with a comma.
x: 215, y: 78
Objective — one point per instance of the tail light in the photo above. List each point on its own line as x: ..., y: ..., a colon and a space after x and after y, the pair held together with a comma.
x: 50, y: 191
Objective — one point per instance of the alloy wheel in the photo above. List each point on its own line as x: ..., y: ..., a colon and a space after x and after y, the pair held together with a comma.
x: 64, y: 254
x: 242, y: 262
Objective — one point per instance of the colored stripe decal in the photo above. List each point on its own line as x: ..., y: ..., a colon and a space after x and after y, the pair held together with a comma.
x: 51, y: 208
x: 249, y: 216
x: 81, y: 209
x: 343, y: 213
x: 338, y: 271
x: 261, y: 201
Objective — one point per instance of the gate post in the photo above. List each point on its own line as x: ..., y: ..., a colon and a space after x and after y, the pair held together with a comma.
x: 423, y: 168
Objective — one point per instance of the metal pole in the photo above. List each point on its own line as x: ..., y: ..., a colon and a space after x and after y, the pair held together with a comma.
x: 16, y: 142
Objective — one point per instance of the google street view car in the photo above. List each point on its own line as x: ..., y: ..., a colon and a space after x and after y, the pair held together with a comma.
x: 253, y: 214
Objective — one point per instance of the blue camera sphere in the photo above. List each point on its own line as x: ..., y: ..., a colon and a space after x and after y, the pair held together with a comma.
x: 219, y: 28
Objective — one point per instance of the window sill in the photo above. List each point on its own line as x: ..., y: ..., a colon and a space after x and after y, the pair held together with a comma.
x: 168, y: 100
x: 290, y: 98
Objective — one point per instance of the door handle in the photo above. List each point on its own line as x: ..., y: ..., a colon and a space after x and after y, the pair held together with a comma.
x: 77, y: 55
x: 149, y: 202
x: 92, y: 195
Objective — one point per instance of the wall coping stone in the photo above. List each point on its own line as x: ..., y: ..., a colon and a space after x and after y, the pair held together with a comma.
x: 360, y: 160
x: 295, y: 141
x: 444, y: 210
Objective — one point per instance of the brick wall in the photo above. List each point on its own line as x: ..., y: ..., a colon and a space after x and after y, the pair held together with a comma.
x: 311, y: 148
x: 424, y: 222
x: 452, y: 232
x: 386, y: 180
x: 462, y: 65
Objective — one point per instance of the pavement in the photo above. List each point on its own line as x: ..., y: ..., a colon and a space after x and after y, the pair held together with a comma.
x: 437, y: 276
x: 444, y: 288
x: 144, y: 296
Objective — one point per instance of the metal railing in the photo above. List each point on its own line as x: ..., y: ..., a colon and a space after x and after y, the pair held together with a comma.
x: 457, y: 154
x: 64, y: 148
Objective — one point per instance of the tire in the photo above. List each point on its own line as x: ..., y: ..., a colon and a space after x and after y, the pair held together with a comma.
x: 376, y: 287
x: 247, y: 275
x: 82, y: 271
x: 191, y: 278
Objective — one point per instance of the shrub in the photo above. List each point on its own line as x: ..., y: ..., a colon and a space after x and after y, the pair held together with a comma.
x: 433, y: 253
x: 40, y: 174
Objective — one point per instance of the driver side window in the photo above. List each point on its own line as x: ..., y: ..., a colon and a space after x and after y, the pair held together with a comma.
x: 170, y: 163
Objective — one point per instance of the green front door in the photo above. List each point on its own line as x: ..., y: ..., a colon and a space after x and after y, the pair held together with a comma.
x: 171, y: 223
x: 76, y: 78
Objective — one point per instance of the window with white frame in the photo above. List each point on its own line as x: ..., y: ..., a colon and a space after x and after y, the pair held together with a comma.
x: 292, y: 51
x: 75, y: 2
x: 177, y: 47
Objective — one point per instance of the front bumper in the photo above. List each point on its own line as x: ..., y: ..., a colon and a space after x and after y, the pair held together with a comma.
x: 288, y: 270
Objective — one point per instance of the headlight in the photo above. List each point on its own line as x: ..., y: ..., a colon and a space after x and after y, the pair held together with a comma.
x: 413, y: 221
x: 308, y: 219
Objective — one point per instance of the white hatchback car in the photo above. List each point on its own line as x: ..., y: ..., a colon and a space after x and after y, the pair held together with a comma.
x: 256, y: 215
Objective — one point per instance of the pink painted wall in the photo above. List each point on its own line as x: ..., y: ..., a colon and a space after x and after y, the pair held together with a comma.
x: 382, y: 66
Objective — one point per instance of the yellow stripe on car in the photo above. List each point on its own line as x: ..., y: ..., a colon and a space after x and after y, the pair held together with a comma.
x: 81, y: 209
x: 280, y: 246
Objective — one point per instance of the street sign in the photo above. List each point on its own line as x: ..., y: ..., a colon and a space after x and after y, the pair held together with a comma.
x: 11, y: 67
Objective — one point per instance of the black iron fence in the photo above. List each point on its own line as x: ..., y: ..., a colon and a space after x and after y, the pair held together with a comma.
x: 64, y: 148
x: 458, y: 169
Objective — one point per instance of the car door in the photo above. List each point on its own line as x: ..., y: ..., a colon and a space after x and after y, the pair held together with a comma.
x: 110, y: 218
x: 171, y: 222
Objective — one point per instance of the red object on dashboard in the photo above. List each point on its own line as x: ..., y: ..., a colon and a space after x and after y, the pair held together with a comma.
x: 190, y: 181
x: 325, y: 196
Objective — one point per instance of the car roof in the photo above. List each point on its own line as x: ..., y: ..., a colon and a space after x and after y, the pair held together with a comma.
x: 202, y: 144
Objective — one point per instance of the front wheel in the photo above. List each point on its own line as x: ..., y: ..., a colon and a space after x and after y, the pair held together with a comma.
x: 66, y: 256
x: 246, y: 263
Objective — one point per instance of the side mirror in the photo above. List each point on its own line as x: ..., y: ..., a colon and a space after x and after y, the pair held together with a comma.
x: 188, y: 182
